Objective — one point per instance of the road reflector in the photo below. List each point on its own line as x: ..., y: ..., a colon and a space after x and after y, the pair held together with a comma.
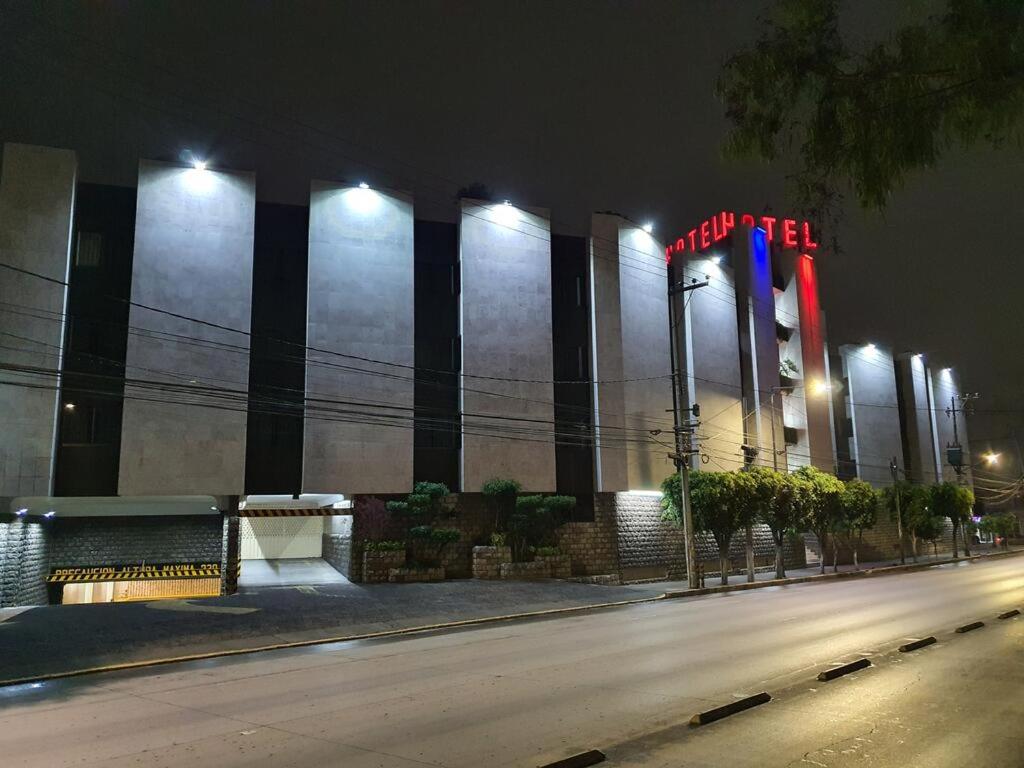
x: 968, y: 627
x: 917, y: 644
x: 581, y: 760
x: 703, y: 718
x: 844, y: 669
x: 1009, y: 614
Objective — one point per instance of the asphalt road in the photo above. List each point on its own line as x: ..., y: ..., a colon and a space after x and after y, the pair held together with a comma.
x: 624, y: 680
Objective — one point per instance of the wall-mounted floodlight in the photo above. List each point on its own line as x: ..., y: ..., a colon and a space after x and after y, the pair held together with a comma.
x: 870, y: 347
x: 991, y: 458
x: 648, y: 227
x: 363, y: 185
x: 199, y: 165
x: 716, y: 260
x: 21, y: 512
x: 49, y: 515
x: 69, y: 406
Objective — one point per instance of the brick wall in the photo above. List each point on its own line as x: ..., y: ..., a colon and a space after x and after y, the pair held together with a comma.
x: 24, y: 562
x: 93, y: 541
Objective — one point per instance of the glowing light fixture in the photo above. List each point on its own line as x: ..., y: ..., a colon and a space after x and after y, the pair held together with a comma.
x: 870, y: 347
x: 648, y: 227
x: 991, y: 458
x: 213, y: 509
x: 69, y: 406
x: 21, y: 512
x: 50, y: 514
x: 820, y: 387
x: 199, y: 165
x: 716, y: 260
x: 363, y: 185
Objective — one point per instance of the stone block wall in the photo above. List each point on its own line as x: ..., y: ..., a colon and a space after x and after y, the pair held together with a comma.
x: 651, y: 548
x: 487, y: 561
x: 593, y: 546
x: 881, y: 544
x: 24, y: 562
x: 95, y: 541
x: 337, y: 544
x: 377, y: 566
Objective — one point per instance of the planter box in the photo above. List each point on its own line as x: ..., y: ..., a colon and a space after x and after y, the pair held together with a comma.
x: 412, y: 575
x: 487, y: 561
x: 377, y: 565
x: 560, y: 566
x: 535, y: 570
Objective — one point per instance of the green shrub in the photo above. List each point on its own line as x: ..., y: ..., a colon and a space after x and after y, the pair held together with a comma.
x: 547, y: 551
x: 498, y: 539
x: 534, y: 521
x: 383, y: 546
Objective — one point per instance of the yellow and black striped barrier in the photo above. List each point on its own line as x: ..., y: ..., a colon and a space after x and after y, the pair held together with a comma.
x: 317, y: 512
x: 134, y: 573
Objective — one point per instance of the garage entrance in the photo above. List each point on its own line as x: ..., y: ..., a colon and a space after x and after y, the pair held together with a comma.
x: 282, y: 542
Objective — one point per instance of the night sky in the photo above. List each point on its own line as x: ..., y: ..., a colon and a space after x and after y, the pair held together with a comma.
x: 574, y: 106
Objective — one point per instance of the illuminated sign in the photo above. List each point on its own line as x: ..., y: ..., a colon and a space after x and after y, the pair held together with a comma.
x: 788, y: 232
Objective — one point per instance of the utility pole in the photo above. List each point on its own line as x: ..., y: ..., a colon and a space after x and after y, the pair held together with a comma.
x: 894, y: 468
x: 954, y: 451
x: 683, y: 430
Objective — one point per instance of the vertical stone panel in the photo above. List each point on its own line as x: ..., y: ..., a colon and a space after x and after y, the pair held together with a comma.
x: 808, y: 408
x: 505, y: 324
x: 872, y: 405
x: 759, y: 343
x: 360, y: 305
x: 193, y: 258
x: 713, y: 362
x: 631, y: 357
x: 37, y: 192
x: 916, y: 413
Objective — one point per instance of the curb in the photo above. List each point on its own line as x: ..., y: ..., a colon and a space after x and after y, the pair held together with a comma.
x: 879, y: 571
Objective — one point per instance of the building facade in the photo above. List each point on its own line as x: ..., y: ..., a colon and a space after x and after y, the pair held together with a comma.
x: 192, y: 378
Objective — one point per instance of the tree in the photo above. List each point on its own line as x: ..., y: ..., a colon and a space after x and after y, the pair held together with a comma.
x: 534, y: 521
x: 954, y: 502
x: 745, y: 488
x: 422, y: 510
x: 912, y: 507
x: 500, y: 497
x: 928, y: 527
x: 821, y: 502
x: 716, y: 510
x: 860, y: 504
x: 863, y: 116
x: 1003, y: 526
x: 771, y: 496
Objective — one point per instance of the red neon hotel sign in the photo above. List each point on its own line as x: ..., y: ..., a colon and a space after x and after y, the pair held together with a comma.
x: 787, y: 232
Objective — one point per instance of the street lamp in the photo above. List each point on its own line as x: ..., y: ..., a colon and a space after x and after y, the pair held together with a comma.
x: 990, y: 458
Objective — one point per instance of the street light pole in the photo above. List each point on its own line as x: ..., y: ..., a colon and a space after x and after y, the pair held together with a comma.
x: 899, y: 516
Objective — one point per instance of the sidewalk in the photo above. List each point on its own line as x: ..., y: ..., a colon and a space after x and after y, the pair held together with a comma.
x: 60, y: 639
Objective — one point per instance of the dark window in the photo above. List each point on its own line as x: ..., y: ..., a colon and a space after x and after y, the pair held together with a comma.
x: 95, y: 342
x: 277, y: 369
x: 437, y: 435
x: 570, y: 322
